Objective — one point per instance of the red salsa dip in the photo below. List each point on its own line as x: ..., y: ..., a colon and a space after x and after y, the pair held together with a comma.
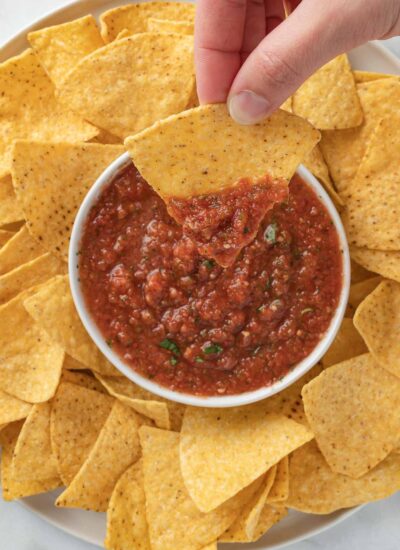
x: 183, y: 321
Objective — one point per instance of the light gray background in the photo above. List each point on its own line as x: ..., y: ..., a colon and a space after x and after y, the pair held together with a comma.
x: 375, y: 527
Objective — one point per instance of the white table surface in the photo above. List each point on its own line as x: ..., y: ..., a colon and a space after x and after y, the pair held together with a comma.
x: 375, y: 527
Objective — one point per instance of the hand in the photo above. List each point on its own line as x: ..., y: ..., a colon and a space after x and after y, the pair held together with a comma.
x: 246, y: 53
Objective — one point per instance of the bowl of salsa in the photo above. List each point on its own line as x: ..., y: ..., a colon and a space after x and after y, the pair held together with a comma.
x: 181, y: 326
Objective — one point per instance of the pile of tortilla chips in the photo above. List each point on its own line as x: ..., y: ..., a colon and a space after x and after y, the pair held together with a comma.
x: 172, y: 477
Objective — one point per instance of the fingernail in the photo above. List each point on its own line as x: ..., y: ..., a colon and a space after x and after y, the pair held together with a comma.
x: 248, y: 108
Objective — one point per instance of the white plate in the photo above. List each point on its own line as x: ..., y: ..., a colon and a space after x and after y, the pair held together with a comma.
x: 89, y: 526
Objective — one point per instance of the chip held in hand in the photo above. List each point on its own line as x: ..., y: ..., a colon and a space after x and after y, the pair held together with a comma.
x: 223, y: 177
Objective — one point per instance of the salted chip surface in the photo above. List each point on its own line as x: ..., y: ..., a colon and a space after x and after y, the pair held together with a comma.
x: 174, y: 520
x: 309, y: 470
x: 59, y: 48
x: 19, y: 249
x: 343, y: 150
x: 126, y: 514
x: 77, y: 416
x: 384, y: 262
x: 315, y: 162
x: 353, y: 410
x: 10, y: 209
x: 117, y: 447
x: 12, y: 408
x: 166, y: 25
x: 348, y: 343
x: 52, y: 307
x: 29, y: 274
x: 31, y: 109
x: 30, y: 362
x: 209, y: 152
x: 132, y: 396
x: 132, y: 102
x: 134, y: 17
x: 378, y: 320
x: 373, y: 208
x: 51, y: 192
x: 253, y: 442
x: 329, y: 99
x: 243, y: 529
x: 33, y: 458
x: 12, y: 487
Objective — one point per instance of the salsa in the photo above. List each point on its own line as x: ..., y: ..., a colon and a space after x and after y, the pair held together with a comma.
x: 221, y: 224
x: 187, y: 323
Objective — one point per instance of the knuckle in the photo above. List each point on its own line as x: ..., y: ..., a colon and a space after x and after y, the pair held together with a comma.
x: 236, y: 3
x: 276, y: 70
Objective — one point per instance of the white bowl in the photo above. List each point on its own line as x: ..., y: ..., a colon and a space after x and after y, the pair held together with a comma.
x: 214, y: 401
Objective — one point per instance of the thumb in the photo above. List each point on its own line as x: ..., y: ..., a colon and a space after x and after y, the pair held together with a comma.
x: 312, y: 35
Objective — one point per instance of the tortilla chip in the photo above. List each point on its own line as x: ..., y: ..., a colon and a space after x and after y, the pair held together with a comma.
x: 315, y: 162
x: 193, y: 99
x: 373, y: 210
x: 353, y: 410
x: 208, y: 151
x: 244, y: 527
x: 30, y: 274
x: 51, y: 192
x: 131, y: 395
x: 287, y: 105
x: 78, y: 414
x: 270, y: 515
x: 132, y: 102
x: 347, y: 344
x: 31, y: 110
x: 134, y: 17
x: 12, y: 409
x: 123, y: 34
x: 12, y: 487
x: 126, y: 515
x: 52, y: 307
x: 368, y: 76
x: 166, y: 25
x: 21, y: 248
x: 253, y: 442
x: 174, y: 520
x: 384, y: 262
x: 316, y: 489
x: 358, y: 272
x: 289, y: 401
x: 378, y: 320
x: 359, y: 291
x: 280, y: 488
x: 59, y: 48
x: 116, y: 448
x: 81, y: 379
x: 10, y: 209
x: 344, y: 150
x: 328, y: 99
x: 33, y: 458
x: 30, y: 362
x: 5, y: 236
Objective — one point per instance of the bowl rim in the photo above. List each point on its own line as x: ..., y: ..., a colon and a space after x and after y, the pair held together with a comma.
x: 235, y: 400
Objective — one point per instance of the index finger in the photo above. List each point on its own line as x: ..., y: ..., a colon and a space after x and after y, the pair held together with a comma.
x: 218, y: 40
